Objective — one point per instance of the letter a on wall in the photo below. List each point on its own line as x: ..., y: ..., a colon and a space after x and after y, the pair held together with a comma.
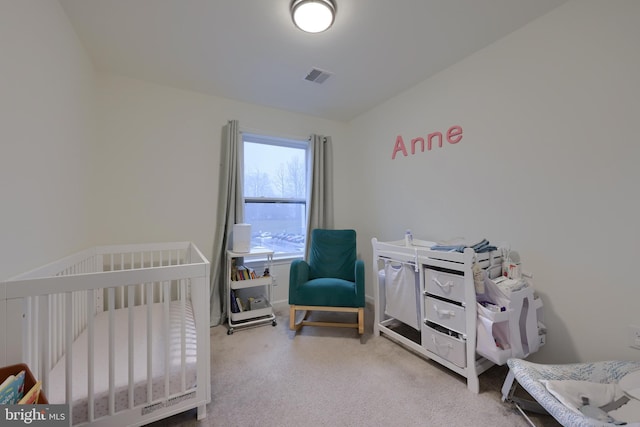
x: 399, y: 147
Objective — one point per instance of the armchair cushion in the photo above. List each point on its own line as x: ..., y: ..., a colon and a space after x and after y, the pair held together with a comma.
x: 328, y: 292
x: 332, y: 254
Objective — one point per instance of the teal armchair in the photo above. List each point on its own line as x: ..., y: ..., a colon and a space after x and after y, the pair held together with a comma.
x: 331, y: 280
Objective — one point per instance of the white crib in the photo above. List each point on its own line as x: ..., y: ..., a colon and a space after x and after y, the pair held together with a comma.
x: 119, y: 333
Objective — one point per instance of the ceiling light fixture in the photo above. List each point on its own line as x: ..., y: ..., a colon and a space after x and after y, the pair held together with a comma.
x: 313, y: 16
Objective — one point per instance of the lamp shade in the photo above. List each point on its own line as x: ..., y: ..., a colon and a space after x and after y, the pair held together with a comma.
x: 313, y: 16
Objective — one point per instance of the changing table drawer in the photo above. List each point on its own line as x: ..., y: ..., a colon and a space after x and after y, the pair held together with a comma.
x: 444, y: 284
x: 451, y: 316
x: 449, y: 347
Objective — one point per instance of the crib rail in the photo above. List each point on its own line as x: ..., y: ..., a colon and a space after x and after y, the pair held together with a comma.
x: 61, y: 300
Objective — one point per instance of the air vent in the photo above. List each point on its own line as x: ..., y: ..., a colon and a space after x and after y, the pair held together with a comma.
x: 318, y: 76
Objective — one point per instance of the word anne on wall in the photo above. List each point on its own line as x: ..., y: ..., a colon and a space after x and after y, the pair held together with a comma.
x: 453, y: 136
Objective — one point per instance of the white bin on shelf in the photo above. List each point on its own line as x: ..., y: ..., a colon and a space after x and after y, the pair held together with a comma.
x: 448, y: 345
x: 402, y: 293
x: 494, y: 335
x: 510, y: 333
x: 241, y: 238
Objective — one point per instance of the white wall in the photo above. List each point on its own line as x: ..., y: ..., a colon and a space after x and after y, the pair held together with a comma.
x: 548, y: 163
x: 46, y: 135
x: 159, y: 158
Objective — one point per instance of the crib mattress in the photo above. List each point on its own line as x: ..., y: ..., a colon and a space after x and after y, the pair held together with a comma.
x: 56, y: 391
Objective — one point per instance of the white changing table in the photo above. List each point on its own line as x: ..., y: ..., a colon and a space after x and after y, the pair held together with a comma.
x: 447, y: 305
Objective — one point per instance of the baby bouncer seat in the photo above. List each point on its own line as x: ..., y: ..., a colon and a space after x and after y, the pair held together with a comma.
x: 560, y: 389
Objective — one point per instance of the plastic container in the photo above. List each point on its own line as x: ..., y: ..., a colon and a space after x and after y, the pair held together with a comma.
x: 408, y: 238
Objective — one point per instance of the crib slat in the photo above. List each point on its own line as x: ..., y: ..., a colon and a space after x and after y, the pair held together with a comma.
x: 33, y: 335
x: 78, y: 319
x: 111, y: 299
x: 53, y: 338
x: 63, y: 329
x: 28, y: 319
x: 69, y: 353
x: 90, y: 361
x: 45, y: 363
x: 149, y: 343
x: 57, y: 330
x: 167, y: 339
x: 183, y: 336
x: 28, y: 310
x: 131, y: 344
x: 76, y: 315
x: 37, y: 341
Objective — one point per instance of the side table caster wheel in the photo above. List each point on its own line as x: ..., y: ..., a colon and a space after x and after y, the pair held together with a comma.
x: 274, y: 323
x: 230, y: 331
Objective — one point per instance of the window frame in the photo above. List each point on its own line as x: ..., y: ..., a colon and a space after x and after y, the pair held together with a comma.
x: 287, y: 143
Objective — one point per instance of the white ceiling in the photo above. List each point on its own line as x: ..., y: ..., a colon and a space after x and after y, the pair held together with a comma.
x: 249, y: 50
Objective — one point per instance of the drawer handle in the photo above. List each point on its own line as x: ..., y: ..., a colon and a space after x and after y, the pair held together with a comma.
x: 446, y: 286
x: 435, y: 342
x: 449, y: 313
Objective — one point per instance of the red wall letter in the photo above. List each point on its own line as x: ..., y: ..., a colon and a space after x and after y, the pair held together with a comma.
x: 414, y: 141
x: 399, y: 147
x: 454, y: 134
x: 431, y: 136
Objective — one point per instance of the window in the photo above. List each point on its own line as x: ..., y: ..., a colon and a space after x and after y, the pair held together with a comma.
x: 275, y: 193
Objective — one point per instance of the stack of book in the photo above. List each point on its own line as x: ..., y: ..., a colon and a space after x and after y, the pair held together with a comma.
x: 12, y: 390
x: 236, y: 304
x: 245, y: 273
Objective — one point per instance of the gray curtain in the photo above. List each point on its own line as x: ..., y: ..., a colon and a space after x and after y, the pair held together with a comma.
x: 230, y: 211
x: 320, y: 212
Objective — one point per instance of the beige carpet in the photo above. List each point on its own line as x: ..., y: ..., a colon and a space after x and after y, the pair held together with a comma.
x: 271, y: 376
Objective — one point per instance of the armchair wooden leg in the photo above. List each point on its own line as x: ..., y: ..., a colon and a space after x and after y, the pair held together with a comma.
x: 292, y: 318
x: 361, y: 320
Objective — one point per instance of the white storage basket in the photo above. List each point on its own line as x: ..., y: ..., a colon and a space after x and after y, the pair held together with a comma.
x: 512, y: 332
x: 402, y: 293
